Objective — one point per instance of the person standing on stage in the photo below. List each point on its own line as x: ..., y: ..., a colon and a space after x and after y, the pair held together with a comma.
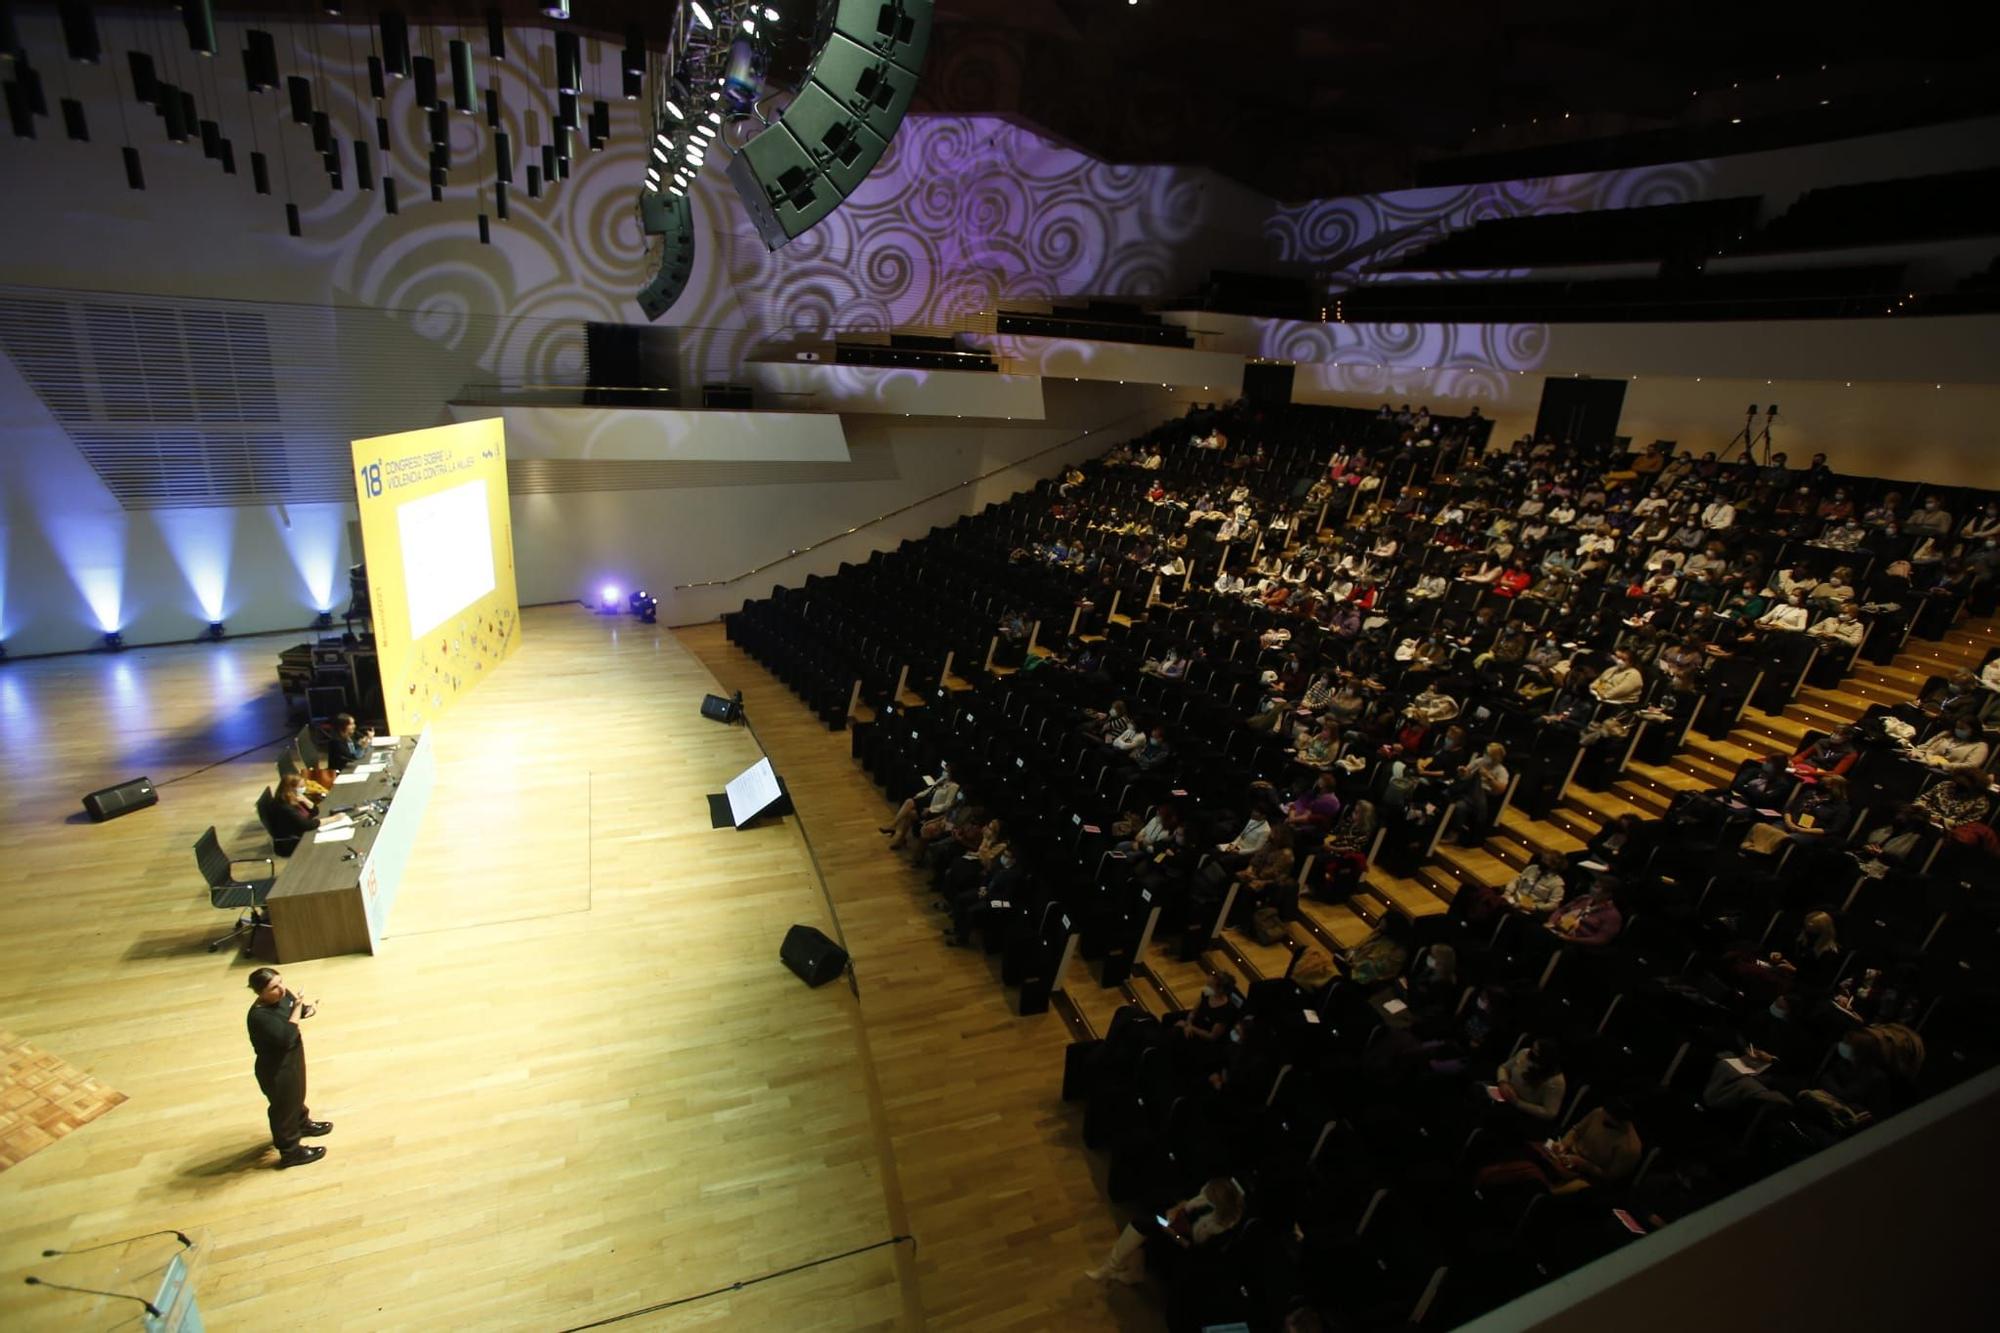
x: 281, y: 1067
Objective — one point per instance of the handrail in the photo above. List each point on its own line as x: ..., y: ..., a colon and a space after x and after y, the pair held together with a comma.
x: 882, y: 518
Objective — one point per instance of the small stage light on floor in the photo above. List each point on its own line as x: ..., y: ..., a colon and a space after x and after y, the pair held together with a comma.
x: 645, y: 606
x: 215, y: 631
x: 608, y: 600
x: 113, y: 641
x: 3, y: 650
x: 324, y: 620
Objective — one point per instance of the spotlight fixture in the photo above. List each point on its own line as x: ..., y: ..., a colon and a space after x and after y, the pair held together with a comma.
x: 700, y: 14
x: 324, y: 620
x: 607, y: 599
x: 216, y: 631
x: 673, y: 109
x: 556, y: 9
x: 3, y: 650
x: 113, y: 641
x: 645, y: 606
x: 770, y: 14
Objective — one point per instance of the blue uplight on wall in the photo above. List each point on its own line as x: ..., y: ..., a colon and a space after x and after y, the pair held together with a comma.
x: 92, y: 550
x: 314, y: 535
x: 201, y: 541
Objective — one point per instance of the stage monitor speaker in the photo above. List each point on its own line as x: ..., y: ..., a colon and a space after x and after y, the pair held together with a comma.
x: 874, y: 88
x: 783, y: 191
x: 815, y: 958
x: 838, y: 140
x: 122, y: 799
x: 718, y: 709
x: 898, y: 30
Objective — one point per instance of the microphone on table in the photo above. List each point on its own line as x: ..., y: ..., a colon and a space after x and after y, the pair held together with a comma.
x: 151, y: 1308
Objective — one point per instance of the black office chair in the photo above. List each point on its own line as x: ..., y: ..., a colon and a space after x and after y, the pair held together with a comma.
x: 282, y: 843
x: 228, y: 892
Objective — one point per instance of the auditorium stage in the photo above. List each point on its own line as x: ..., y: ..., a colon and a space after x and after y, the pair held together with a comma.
x: 576, y: 1082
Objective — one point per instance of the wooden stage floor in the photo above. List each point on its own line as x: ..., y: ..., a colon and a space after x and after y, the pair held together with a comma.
x: 576, y: 1083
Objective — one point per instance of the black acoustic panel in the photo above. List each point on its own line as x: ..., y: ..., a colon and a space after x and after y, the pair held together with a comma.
x: 292, y: 220
x: 440, y: 158
x: 228, y: 158
x: 189, y: 116
x: 389, y: 195
x: 260, y: 173
x: 322, y: 128
x: 898, y: 30
x: 492, y: 108
x: 485, y: 230
x: 31, y: 84
x: 378, y: 86
x: 569, y: 62
x: 382, y: 133
x: 877, y: 90
x: 500, y: 200
x: 838, y: 140
x: 425, y: 71
x: 566, y: 110
x: 301, y: 91
x: 440, y: 127
x: 549, y: 163
x: 534, y: 182
x: 496, y: 35
x: 260, y: 60
x: 198, y: 17
x: 364, y: 166
x: 396, y: 44
x: 135, y: 174
x: 503, y: 159
x: 79, y: 28
x: 780, y: 186
x: 145, y: 83
x: 211, y: 140
x: 174, y: 111
x: 74, y: 123
x: 20, y: 114
x: 332, y: 156
x: 635, y: 84
x: 464, y: 89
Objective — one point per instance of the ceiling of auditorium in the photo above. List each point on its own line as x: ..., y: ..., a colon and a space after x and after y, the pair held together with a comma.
x: 1310, y: 98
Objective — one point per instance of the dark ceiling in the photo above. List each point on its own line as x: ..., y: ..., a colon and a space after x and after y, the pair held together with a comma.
x: 1309, y: 98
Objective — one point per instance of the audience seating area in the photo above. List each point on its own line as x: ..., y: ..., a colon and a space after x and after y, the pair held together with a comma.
x: 1098, y: 321
x: 1915, y: 208
x: 1194, y: 741
x: 1606, y: 236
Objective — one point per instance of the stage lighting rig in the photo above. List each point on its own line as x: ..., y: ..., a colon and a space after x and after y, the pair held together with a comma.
x: 645, y: 606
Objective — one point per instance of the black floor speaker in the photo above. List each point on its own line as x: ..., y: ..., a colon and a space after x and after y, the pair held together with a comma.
x: 718, y: 709
x: 815, y: 958
x: 122, y: 799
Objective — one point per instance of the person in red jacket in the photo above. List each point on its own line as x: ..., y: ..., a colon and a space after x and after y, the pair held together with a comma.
x: 1514, y: 580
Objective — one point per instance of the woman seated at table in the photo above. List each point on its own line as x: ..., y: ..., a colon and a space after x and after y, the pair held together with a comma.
x: 343, y: 745
x: 292, y: 815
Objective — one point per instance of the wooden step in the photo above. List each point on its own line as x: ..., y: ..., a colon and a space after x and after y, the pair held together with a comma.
x: 1877, y: 692
x: 1647, y: 797
x: 1539, y: 834
x: 1094, y: 1003
x: 1724, y: 754
x: 1268, y: 961
x: 1603, y: 806
x: 1148, y: 993
x: 1408, y: 897
x: 1218, y: 960
x: 1443, y: 882
x: 1839, y: 703
x: 1702, y: 768
x: 1181, y: 981
x: 1369, y: 905
x: 1475, y: 865
x: 1933, y: 659
x: 1778, y: 724
x: 1666, y: 778
x: 1334, y: 926
x: 1816, y: 716
x: 1574, y: 822
x: 1762, y: 743
x: 1510, y: 849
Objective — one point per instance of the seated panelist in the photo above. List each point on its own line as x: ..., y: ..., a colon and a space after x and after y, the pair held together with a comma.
x: 345, y: 747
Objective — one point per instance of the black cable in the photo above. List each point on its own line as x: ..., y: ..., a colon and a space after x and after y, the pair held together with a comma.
x: 230, y: 758
x: 739, y: 1286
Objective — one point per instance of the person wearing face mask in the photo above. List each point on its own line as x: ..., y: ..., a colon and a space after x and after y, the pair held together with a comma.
x: 931, y: 802
x: 1621, y: 683
x: 1002, y: 887
x: 1788, y: 616
x: 1958, y: 746
x: 1984, y: 524
x: 1834, y: 752
x: 1843, y: 626
x: 1933, y: 520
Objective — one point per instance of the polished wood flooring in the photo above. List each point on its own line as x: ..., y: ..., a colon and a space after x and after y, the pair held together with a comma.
x: 576, y: 1083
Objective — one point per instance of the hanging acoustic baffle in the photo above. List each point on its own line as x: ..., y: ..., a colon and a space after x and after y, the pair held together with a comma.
x: 462, y: 85
x: 79, y: 27
x: 500, y: 200
x: 364, y: 166
x: 492, y: 108
x: 228, y: 158
x: 174, y: 111
x: 426, y: 73
x: 198, y: 16
x: 211, y: 140
x: 440, y: 158
x: 503, y: 158
x: 440, y: 127
x: 600, y: 125
x: 566, y: 110
x: 332, y: 156
x: 485, y: 230
x: 301, y: 91
x: 260, y: 173
x: 135, y: 175
x: 382, y: 133
x: 569, y: 62
x: 378, y: 88
x: 20, y: 111
x: 145, y: 83
x: 73, y: 122
x: 549, y: 163
x: 292, y: 219
x: 389, y: 195
x: 260, y: 60
x: 396, y: 44
x: 322, y: 127
x: 534, y: 182
x: 496, y: 36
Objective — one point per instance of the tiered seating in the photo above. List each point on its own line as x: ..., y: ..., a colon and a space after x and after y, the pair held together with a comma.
x: 1607, y: 236
x: 997, y: 643
x: 1913, y: 208
x: 1099, y: 321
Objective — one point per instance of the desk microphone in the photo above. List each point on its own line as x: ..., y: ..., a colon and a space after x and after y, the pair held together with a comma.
x: 180, y: 1236
x: 151, y: 1308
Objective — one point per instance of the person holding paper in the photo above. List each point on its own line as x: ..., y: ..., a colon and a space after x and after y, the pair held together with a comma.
x: 281, y: 1067
x: 1531, y: 1082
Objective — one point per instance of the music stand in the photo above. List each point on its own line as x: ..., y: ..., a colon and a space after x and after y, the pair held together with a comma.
x: 754, y: 793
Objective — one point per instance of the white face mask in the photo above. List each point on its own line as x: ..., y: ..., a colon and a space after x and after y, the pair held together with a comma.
x: 1778, y: 1012
x: 1845, y: 1051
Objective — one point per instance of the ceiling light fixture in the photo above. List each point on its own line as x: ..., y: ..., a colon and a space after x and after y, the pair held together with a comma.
x: 700, y: 14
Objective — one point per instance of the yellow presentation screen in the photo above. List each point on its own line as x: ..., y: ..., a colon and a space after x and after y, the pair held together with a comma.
x: 440, y: 553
